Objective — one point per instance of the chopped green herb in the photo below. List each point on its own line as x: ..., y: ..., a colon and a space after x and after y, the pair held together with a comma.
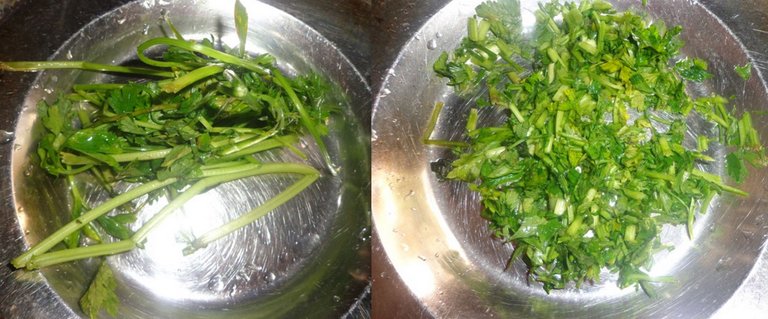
x: 693, y: 69
x: 745, y: 72
x: 590, y: 163
x: 734, y: 164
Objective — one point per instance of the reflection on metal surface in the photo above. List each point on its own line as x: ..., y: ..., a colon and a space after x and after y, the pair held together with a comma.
x: 471, y: 280
x: 419, y: 277
x: 450, y: 242
x: 310, y: 257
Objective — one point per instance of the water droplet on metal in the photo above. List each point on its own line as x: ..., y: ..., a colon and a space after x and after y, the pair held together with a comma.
x: 336, y: 298
x: 216, y: 283
x: 384, y: 92
x: 242, y: 276
x: 69, y: 55
x: 723, y: 263
x: 432, y: 44
x: 365, y: 234
x: 438, y: 35
x: 410, y: 193
x: 5, y: 136
x: 234, y: 291
x: 270, y: 277
x: 422, y: 258
x: 267, y: 236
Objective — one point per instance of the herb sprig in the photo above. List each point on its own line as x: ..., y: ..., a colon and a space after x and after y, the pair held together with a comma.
x: 194, y: 122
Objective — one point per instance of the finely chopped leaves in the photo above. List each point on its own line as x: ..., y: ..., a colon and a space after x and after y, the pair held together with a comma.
x: 591, y: 162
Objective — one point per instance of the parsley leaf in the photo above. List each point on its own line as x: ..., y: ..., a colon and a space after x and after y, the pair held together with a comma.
x: 693, y: 69
x: 745, y: 71
x: 734, y: 165
x: 101, y: 294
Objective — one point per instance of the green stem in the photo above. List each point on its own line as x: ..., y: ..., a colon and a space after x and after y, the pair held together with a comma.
x: 239, y: 146
x: 223, y: 164
x: 217, y: 170
x: 305, y: 118
x: 134, y: 114
x: 691, y: 218
x: 715, y: 179
x: 199, y: 48
x: 46, y: 244
x: 432, y: 122
x: 66, y: 255
x: 206, y: 183
x: 442, y: 143
x: 72, y: 159
x: 253, y: 215
x: 426, y: 139
x: 97, y: 87
x: 141, y: 156
x: 33, y: 66
x: 239, y: 130
x: 188, y: 79
x: 256, y: 148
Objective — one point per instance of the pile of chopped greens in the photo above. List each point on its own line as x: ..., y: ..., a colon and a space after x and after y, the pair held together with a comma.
x: 592, y: 160
x: 194, y: 121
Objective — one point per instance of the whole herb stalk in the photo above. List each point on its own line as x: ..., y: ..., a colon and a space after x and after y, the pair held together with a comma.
x: 192, y: 123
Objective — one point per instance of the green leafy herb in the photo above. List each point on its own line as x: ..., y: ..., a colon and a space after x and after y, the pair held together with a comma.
x: 734, y: 164
x: 745, y: 72
x: 241, y: 23
x: 693, y: 69
x: 590, y: 163
x: 101, y: 294
x: 194, y: 122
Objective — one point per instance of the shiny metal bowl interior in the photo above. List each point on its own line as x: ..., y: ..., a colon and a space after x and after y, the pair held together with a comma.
x: 432, y: 233
x: 309, y: 258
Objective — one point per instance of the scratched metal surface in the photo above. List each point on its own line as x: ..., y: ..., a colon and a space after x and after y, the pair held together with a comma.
x: 434, y: 246
x: 309, y: 258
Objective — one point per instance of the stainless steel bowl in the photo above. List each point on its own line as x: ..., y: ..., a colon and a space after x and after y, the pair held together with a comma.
x: 309, y: 258
x: 440, y: 250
